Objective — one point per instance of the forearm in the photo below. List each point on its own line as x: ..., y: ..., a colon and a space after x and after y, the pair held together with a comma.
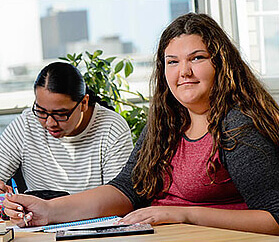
x: 102, y: 201
x: 244, y: 220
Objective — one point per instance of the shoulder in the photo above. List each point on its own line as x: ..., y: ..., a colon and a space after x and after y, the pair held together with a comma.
x: 239, y: 128
x: 240, y: 135
x: 105, y: 116
x: 27, y: 114
x: 235, y: 119
x: 29, y: 118
x: 24, y: 123
x: 28, y: 122
x: 25, y: 117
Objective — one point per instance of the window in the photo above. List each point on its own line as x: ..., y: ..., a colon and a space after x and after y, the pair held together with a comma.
x: 39, y: 31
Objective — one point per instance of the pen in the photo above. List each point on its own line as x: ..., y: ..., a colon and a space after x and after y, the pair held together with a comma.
x: 14, y: 186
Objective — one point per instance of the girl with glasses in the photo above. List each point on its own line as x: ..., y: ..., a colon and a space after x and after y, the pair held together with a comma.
x: 69, y: 141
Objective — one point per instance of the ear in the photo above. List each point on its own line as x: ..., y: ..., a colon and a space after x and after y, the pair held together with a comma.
x: 84, y: 103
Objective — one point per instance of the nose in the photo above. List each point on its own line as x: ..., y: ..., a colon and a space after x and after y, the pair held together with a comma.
x: 50, y: 121
x: 186, y: 70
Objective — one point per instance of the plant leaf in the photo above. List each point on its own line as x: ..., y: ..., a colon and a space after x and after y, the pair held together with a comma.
x: 70, y: 57
x: 97, y: 53
x: 141, y: 96
x: 128, y: 68
x: 110, y: 59
x: 99, y: 75
x: 63, y: 58
x: 119, y: 67
x: 89, y: 55
x: 79, y: 56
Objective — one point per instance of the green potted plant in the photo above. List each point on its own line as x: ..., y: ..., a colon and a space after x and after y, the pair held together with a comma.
x: 104, y: 77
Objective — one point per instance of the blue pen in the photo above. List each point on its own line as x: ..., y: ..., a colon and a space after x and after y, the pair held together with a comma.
x: 14, y: 186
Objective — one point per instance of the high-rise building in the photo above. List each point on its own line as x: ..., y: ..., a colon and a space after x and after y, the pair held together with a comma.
x: 61, y: 28
x: 180, y: 7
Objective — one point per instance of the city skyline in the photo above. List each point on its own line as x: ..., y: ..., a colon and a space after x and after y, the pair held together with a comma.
x: 137, y: 21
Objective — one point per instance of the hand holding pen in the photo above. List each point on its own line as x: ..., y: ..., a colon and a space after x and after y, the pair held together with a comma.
x: 14, y: 186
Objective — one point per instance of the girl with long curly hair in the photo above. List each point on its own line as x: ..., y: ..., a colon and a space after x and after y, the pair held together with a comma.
x: 208, y: 155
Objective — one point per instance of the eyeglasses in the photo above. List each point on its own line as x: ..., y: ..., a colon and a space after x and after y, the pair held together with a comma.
x: 58, y: 117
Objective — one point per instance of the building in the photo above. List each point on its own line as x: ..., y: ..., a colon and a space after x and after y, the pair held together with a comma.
x: 61, y: 28
x: 180, y: 7
x: 110, y: 45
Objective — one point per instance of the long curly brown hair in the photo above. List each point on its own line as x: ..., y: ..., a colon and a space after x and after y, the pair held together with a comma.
x: 235, y: 85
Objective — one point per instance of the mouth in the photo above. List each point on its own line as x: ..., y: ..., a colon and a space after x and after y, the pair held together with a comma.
x: 55, y: 133
x: 188, y: 83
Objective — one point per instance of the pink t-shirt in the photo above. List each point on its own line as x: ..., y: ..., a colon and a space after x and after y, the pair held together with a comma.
x: 191, y: 184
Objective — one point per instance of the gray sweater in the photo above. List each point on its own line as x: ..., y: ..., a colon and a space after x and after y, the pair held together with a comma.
x: 252, y: 164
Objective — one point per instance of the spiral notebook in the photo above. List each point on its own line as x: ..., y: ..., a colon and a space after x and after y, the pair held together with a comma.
x: 91, y: 228
x: 82, y: 224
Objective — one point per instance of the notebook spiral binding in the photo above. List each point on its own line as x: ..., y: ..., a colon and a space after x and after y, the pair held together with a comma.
x: 76, y: 223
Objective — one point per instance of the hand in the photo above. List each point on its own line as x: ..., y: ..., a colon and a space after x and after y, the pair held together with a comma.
x: 156, y: 215
x: 5, y: 188
x: 36, y: 209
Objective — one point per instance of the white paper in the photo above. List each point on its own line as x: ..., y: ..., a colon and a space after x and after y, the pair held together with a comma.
x: 26, y: 229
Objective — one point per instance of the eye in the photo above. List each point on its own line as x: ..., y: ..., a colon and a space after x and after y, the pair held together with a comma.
x: 60, y: 117
x: 40, y: 112
x: 172, y: 62
x: 198, y: 57
x: 60, y: 114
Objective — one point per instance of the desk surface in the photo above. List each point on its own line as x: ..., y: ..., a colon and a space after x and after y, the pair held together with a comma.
x: 177, y: 232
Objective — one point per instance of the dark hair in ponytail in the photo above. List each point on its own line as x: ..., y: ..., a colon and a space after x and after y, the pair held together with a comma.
x: 93, y: 98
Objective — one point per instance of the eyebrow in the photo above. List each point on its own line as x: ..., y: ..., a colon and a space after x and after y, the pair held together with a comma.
x: 53, y: 111
x: 192, y: 53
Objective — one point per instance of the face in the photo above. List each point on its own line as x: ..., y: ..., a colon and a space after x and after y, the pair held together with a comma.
x: 59, y: 104
x: 189, y: 71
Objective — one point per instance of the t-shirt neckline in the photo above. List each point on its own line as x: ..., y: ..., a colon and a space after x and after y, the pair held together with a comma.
x: 194, y: 140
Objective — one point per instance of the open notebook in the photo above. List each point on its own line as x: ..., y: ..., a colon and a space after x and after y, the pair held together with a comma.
x: 99, y: 227
x: 82, y: 224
